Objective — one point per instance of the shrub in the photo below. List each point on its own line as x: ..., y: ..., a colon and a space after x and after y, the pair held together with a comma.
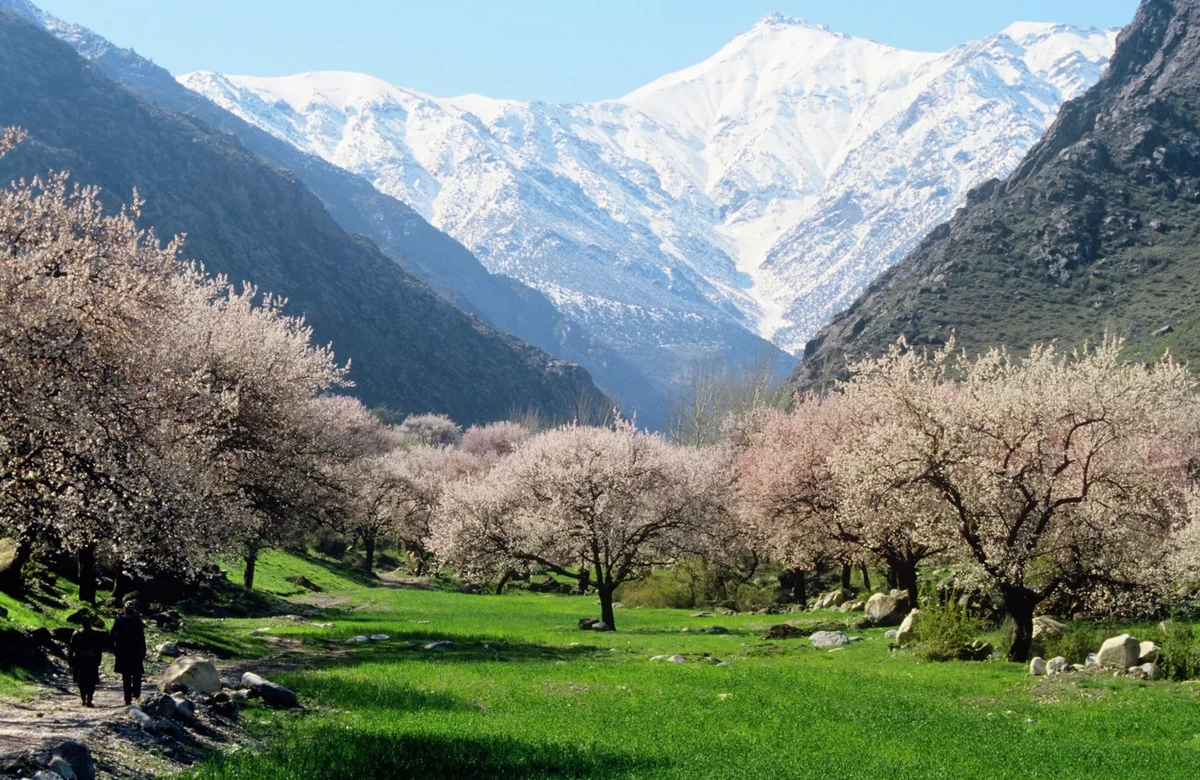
x: 946, y: 629
x: 661, y: 589
x: 1179, y: 653
x: 1074, y: 644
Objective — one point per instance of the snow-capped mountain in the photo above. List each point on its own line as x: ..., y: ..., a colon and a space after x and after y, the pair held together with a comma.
x: 758, y: 191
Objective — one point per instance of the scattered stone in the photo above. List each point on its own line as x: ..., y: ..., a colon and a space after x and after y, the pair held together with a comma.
x: 273, y: 694
x: 61, y: 769
x: 263, y: 630
x: 168, y: 650
x: 1046, y: 626
x: 585, y: 624
x: 46, y: 774
x: 1119, y: 652
x: 293, y: 618
x: 439, y: 645
x: 701, y: 614
x: 887, y: 609
x: 829, y: 639
x: 684, y: 630
x: 359, y: 638
x: 783, y: 631
x: 891, y: 633
x: 601, y: 626
x: 853, y: 606
x: 1092, y: 660
x: 908, y: 628
x: 142, y: 720
x: 677, y: 659
x: 192, y: 673
x: 833, y: 599
x: 1037, y: 667
x: 716, y: 630
x: 322, y: 625
x: 379, y: 637
x: 726, y: 611
x: 1057, y: 665
x: 159, y: 706
x: 1147, y: 653
x: 1152, y: 671
x: 301, y: 581
x: 657, y: 658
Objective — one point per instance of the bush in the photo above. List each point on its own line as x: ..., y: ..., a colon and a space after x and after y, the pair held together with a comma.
x: 1074, y: 644
x: 1179, y: 653
x: 946, y: 629
x: 661, y: 589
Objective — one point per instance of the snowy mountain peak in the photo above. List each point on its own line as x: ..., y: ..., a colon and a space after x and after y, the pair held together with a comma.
x: 759, y: 190
x: 776, y: 19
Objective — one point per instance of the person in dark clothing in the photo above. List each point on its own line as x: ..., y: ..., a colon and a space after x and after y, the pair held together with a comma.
x: 84, y: 652
x: 128, y: 639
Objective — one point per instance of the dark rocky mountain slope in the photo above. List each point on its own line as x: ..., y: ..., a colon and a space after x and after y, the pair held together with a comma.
x: 1098, y: 229
x: 400, y: 232
x: 253, y: 221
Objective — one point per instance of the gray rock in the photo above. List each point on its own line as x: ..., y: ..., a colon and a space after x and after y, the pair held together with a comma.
x: 61, y: 768
x: 716, y: 630
x: 167, y: 649
x: 601, y: 626
x: 273, y: 694
x: 1152, y: 671
x: 1046, y: 626
x: 701, y: 614
x: 359, y: 638
x: 379, y: 637
x: 1147, y: 653
x: 192, y: 673
x: 1119, y: 652
x: 978, y: 651
x: 1057, y: 665
x: 78, y: 757
x: 887, y: 609
x: 585, y: 624
x: 677, y: 659
x: 1037, y: 667
x: 829, y: 639
x: 46, y: 774
x: 142, y: 720
x: 891, y: 633
x: 441, y: 644
x: 1092, y: 660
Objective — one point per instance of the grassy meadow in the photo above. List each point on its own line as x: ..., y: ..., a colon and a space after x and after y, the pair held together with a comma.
x: 523, y: 694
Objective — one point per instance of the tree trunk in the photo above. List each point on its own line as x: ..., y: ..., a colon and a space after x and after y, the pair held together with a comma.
x: 1019, y: 603
x: 251, y: 561
x: 87, y: 574
x: 123, y: 585
x: 585, y: 581
x: 605, y: 590
x: 369, y: 544
x: 904, y: 572
x: 504, y: 578
x: 12, y: 580
x: 866, y: 577
x: 846, y: 571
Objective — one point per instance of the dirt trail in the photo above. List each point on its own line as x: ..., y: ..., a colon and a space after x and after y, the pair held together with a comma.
x: 56, y: 713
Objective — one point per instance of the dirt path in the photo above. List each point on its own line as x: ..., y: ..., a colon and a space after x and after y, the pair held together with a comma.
x: 55, y: 712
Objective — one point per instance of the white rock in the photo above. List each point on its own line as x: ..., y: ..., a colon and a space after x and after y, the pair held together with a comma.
x: 1092, y: 660
x: 1044, y: 625
x: 1147, y: 653
x: 1037, y: 667
x: 677, y: 659
x: 1058, y: 665
x: 192, y: 673
x: 1119, y: 652
x: 908, y: 628
x: 1152, y: 671
x: 891, y: 633
x: 829, y: 639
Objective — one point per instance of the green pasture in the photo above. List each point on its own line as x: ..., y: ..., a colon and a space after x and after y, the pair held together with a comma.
x: 523, y: 693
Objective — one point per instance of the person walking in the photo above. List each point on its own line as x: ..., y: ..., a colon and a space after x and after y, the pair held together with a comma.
x: 128, y: 639
x: 84, y: 652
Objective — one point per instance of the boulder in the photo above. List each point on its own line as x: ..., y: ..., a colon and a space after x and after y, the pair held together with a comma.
x: 908, y: 628
x: 379, y: 637
x: 1037, y: 667
x: 61, y: 768
x: 783, y: 631
x: 829, y: 639
x: 887, y: 609
x: 1147, y: 653
x: 1092, y: 660
x: 1058, y: 665
x: 191, y: 673
x: 833, y: 599
x: 726, y: 611
x: 1044, y: 625
x: 273, y: 694
x: 677, y: 659
x: 1152, y: 671
x: 47, y: 774
x: 601, y: 626
x: 585, y: 624
x: 442, y: 644
x: 1119, y: 652
x: 701, y: 614
x: 716, y: 630
x: 78, y: 757
x: 159, y: 706
x: 891, y: 633
x: 357, y: 639
x: 167, y: 650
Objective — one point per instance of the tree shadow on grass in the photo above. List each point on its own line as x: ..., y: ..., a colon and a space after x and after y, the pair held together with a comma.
x: 334, y: 752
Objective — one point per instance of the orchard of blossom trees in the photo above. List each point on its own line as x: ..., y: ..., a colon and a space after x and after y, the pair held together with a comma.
x: 154, y: 419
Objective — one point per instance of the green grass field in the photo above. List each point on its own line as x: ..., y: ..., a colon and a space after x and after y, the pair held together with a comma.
x: 525, y: 694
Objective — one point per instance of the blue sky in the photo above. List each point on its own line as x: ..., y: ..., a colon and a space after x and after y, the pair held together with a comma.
x: 553, y: 50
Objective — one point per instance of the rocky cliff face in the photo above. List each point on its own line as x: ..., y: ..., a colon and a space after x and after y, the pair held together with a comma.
x: 1097, y: 230
x: 250, y: 220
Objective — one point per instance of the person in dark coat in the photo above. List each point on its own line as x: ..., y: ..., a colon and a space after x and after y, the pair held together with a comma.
x: 128, y: 639
x: 84, y: 652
